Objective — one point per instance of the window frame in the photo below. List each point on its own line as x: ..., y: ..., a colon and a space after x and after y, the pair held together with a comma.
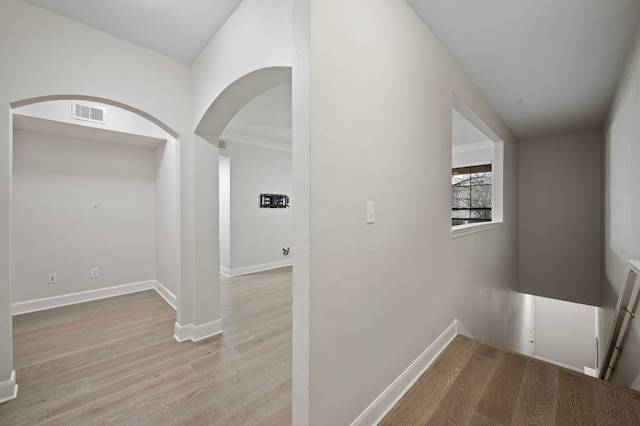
x: 470, y: 208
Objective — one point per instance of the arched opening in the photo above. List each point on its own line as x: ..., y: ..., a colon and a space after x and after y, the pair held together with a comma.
x: 95, y: 203
x: 134, y: 110
x: 211, y: 127
x: 268, y: 325
x: 235, y: 96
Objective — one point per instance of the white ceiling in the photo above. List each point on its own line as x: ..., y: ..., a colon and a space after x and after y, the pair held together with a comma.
x: 546, y: 66
x: 176, y: 28
x: 561, y: 58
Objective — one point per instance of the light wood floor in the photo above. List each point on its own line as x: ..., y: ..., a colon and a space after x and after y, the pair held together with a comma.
x: 475, y: 384
x: 115, y: 361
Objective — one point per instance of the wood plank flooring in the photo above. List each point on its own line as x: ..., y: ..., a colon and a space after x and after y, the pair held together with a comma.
x: 476, y: 384
x: 115, y: 361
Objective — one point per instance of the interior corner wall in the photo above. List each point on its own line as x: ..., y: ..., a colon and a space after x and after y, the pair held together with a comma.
x: 79, y: 204
x: 259, y: 234
x: 381, y: 94
x: 621, y: 211
x: 560, y: 217
x: 38, y: 50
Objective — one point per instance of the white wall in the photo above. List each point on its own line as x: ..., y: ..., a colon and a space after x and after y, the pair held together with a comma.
x: 380, y: 101
x: 473, y: 154
x: 224, y: 173
x: 257, y: 35
x: 80, y: 204
x: 124, y: 127
x: 44, y: 54
x: 622, y: 210
x: 258, y: 235
x: 565, y: 332
x: 167, y: 216
x: 560, y: 217
x: 116, y: 119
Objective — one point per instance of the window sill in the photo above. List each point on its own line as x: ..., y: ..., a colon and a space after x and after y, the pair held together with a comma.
x: 460, y: 230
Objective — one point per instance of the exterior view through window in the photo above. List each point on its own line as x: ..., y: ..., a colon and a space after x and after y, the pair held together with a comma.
x: 471, y: 194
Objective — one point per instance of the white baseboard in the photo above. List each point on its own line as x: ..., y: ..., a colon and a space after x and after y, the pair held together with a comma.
x: 196, y: 333
x: 225, y: 271
x: 255, y: 268
x: 8, y: 389
x: 559, y: 364
x: 167, y: 295
x: 80, y: 297
x: 379, y: 408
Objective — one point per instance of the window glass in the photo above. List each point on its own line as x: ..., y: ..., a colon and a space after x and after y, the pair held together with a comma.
x: 471, y: 194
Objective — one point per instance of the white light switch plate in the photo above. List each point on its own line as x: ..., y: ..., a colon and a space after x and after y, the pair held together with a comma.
x: 371, y: 212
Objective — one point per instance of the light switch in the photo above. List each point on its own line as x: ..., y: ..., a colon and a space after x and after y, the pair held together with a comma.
x: 371, y: 212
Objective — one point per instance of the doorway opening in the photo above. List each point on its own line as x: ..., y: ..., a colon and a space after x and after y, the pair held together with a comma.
x: 94, y: 205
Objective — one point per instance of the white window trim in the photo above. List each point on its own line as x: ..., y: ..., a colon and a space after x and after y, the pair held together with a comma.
x: 497, y: 170
x: 472, y: 228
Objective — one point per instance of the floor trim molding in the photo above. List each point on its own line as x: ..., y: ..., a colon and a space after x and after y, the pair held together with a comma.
x: 225, y: 271
x: 559, y: 364
x: 255, y: 268
x: 195, y: 333
x: 381, y: 406
x: 9, y: 388
x: 167, y: 295
x: 80, y: 297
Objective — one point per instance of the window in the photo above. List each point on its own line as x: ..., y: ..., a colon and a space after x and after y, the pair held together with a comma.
x: 471, y: 194
x: 476, y: 172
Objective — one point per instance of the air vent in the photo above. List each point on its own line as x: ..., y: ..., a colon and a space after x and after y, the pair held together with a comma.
x: 88, y: 113
x: 222, y: 144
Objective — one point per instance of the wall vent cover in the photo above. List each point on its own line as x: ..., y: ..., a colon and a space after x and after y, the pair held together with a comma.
x: 88, y: 113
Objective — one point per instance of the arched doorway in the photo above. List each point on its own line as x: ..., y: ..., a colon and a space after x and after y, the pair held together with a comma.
x: 25, y: 103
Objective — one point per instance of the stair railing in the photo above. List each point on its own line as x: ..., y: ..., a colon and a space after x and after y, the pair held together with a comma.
x: 625, y: 312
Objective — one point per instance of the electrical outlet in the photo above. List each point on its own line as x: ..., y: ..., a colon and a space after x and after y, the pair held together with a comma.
x: 95, y: 272
x: 52, y: 278
x: 250, y: 255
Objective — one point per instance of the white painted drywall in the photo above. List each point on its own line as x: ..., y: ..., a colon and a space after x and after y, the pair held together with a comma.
x: 560, y: 217
x: 257, y: 35
x: 224, y: 173
x: 80, y: 204
x: 565, y: 332
x: 258, y: 235
x: 167, y: 232
x: 622, y: 210
x: 381, y: 90
x: 116, y: 119
x: 44, y: 54
x: 124, y: 127
x: 301, y: 138
x: 473, y: 154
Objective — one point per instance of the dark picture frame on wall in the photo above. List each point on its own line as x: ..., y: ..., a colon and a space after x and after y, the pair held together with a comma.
x: 274, y: 201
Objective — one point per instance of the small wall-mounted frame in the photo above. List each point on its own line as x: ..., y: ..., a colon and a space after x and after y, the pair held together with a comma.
x: 274, y: 201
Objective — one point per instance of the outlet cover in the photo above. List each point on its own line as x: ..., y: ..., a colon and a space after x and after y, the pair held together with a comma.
x: 95, y: 272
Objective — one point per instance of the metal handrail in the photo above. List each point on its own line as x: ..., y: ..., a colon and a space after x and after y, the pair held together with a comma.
x: 625, y: 312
